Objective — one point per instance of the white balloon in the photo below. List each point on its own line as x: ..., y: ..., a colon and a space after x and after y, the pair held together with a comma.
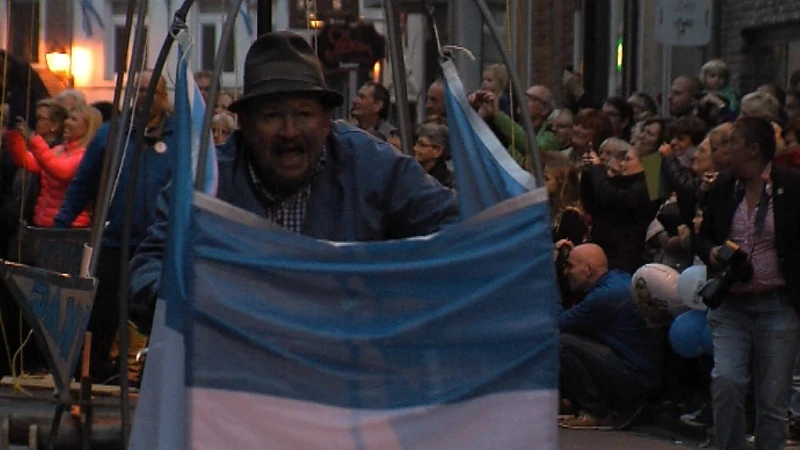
x: 658, y: 283
x: 689, y: 284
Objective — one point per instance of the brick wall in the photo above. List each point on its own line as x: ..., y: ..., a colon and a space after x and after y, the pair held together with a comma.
x: 552, y: 41
x: 742, y: 15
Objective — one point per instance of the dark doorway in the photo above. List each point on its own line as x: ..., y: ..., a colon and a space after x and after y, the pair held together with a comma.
x: 23, y: 33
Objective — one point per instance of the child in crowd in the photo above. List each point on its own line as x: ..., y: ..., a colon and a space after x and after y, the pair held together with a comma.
x: 716, y: 78
x: 495, y: 80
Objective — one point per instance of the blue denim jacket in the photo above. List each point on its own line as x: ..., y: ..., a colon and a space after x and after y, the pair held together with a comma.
x: 609, y: 316
x: 366, y: 191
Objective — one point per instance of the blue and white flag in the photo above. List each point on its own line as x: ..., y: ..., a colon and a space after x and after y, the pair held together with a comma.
x: 159, y: 421
x: 447, y: 341
x: 484, y: 171
x: 268, y: 339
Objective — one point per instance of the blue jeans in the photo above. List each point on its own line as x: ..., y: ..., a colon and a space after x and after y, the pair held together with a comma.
x: 794, y: 399
x: 754, y: 335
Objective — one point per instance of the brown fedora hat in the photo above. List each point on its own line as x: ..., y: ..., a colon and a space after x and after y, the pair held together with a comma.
x: 283, y: 63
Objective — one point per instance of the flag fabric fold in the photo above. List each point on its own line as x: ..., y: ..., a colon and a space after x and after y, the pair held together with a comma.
x: 484, y: 171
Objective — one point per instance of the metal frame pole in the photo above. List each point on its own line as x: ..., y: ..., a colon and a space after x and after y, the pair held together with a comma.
x: 263, y: 17
x: 519, y: 96
x: 398, y: 74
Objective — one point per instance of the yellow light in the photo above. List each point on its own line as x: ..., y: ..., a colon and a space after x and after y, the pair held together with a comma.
x: 620, y: 59
x: 81, y: 66
x: 376, y: 72
x: 58, y: 62
x: 315, y: 24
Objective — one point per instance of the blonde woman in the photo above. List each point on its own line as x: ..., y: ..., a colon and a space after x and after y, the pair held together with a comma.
x: 56, y: 166
x: 222, y: 126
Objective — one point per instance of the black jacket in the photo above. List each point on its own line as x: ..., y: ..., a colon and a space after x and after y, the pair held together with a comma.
x: 722, y: 204
x: 684, y: 183
x: 442, y: 173
x: 621, y: 210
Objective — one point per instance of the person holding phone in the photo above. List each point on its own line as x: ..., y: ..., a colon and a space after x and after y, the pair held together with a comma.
x: 591, y: 129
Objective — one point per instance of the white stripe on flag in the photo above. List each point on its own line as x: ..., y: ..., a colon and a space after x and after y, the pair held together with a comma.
x: 241, y: 420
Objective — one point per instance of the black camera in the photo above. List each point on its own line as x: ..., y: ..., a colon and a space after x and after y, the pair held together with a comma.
x: 561, y: 259
x: 735, y: 265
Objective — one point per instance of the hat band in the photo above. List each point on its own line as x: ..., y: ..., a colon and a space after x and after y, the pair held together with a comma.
x: 284, y: 70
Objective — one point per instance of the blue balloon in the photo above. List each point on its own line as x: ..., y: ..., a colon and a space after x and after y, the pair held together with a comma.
x: 686, y: 334
x: 707, y: 340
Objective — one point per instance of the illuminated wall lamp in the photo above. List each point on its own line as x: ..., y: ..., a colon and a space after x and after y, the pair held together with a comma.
x: 376, y: 72
x: 314, y: 23
x: 59, y: 63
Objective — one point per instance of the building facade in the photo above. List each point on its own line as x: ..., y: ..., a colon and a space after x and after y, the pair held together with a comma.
x: 612, y: 42
x: 88, y: 35
x: 760, y: 41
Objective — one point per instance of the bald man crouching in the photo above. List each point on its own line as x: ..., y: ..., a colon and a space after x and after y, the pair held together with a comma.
x: 610, y: 359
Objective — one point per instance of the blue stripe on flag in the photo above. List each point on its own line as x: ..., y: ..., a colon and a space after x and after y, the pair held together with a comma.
x: 484, y: 171
x: 176, y: 261
x: 466, y: 312
x: 198, y: 110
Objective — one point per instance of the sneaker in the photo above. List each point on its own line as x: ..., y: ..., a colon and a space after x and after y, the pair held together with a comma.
x: 624, y: 419
x: 702, y: 418
x: 566, y: 409
x: 587, y: 421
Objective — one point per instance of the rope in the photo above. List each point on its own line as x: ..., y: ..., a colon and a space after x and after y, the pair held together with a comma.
x: 23, y: 197
x: 427, y: 6
x: 17, y: 384
x: 461, y: 49
x: 5, y: 66
x: 3, y: 96
x: 5, y: 341
x: 137, y: 86
x: 235, y: 95
x: 25, y: 172
x: 21, y: 350
x: 510, y: 85
x: 2, y: 103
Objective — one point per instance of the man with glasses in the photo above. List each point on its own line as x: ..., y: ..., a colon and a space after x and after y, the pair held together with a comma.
x: 429, y: 151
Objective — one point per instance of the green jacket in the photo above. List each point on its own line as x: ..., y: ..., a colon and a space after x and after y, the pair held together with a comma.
x: 513, y: 132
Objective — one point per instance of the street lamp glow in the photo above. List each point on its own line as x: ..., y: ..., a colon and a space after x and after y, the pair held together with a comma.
x: 58, y: 62
x: 82, y: 66
x: 376, y: 72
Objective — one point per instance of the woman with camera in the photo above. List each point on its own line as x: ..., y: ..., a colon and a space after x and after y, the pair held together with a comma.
x: 750, y: 239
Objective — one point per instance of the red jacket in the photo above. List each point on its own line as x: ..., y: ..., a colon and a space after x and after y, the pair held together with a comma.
x: 789, y: 158
x: 56, y: 168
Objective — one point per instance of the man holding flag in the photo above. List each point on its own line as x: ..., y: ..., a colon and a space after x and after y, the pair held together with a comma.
x: 293, y: 166
x: 382, y: 342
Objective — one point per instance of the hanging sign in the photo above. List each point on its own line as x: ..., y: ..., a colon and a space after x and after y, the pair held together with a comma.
x: 354, y: 46
x: 683, y: 22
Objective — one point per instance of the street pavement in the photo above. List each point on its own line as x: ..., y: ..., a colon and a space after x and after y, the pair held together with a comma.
x: 620, y: 440
x: 637, y: 439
